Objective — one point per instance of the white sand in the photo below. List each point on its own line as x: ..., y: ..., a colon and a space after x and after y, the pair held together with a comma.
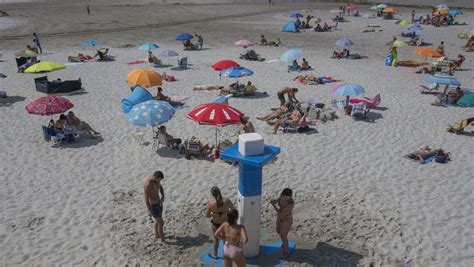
x: 358, y: 201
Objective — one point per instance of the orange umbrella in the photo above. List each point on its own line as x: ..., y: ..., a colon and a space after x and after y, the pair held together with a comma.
x: 389, y: 10
x: 427, y: 52
x: 145, y: 78
x: 440, y: 12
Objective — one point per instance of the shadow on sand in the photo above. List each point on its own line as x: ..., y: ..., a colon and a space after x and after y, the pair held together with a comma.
x: 6, y: 102
x: 325, y: 255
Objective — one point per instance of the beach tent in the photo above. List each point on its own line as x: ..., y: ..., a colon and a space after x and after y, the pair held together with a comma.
x: 467, y: 100
x: 57, y: 87
x: 138, y: 96
x: 289, y: 27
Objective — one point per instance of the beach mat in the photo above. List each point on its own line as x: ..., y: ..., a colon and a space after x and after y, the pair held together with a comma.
x: 136, y: 62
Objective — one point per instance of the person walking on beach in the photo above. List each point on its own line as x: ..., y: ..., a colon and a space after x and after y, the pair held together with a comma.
x: 88, y: 10
x: 234, y: 236
x: 36, y: 41
x: 217, y: 209
x: 284, y: 207
x: 154, y: 203
x: 413, y: 13
x: 200, y: 41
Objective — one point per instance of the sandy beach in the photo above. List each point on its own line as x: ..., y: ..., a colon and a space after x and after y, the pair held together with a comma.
x: 358, y: 201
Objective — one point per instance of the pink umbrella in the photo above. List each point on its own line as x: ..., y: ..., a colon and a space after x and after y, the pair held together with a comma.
x: 352, y: 7
x: 49, y: 105
x: 244, y: 43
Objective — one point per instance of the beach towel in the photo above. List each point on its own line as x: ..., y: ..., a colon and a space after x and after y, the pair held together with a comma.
x: 73, y: 63
x: 178, y: 98
x: 411, y: 63
x: 136, y: 62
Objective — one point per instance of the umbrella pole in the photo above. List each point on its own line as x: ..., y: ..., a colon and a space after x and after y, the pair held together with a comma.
x: 216, y: 137
x: 347, y: 100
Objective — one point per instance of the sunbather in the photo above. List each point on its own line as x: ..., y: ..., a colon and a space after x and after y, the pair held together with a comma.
x: 424, y: 153
x: 293, y: 118
x: 318, y: 28
x: 263, y: 40
x: 305, y: 65
x: 161, y: 96
x: 60, y: 123
x: 344, y: 53
x: 104, y: 56
x: 208, y: 87
x: 174, y: 142
x: 276, y: 113
x: 72, y: 120
x: 249, y: 89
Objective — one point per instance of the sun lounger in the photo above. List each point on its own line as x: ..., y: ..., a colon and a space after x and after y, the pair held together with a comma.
x: 295, y: 126
x: 138, y: 135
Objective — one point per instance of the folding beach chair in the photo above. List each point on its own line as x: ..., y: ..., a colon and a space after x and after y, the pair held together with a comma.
x: 183, y: 63
x: 138, y: 135
x: 360, y: 111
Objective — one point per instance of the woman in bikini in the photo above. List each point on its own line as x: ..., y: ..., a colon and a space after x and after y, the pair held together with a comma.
x: 284, y: 207
x: 234, y: 236
x: 217, y: 210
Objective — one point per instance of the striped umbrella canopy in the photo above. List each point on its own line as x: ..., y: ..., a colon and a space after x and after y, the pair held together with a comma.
x: 218, y: 114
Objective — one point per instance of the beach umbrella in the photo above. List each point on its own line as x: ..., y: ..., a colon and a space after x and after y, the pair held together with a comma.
x: 426, y: 52
x: 344, y: 42
x: 151, y: 112
x: 218, y: 114
x: 26, y: 53
x: 91, y: 43
x: 442, y: 7
x: 44, y: 66
x: 442, y: 79
x: 145, y: 78
x: 184, y: 37
x: 290, y: 55
x: 236, y: 72
x: 224, y: 64
x: 49, y: 105
x: 389, y: 10
x: 244, y: 43
x: 440, y: 12
x: 382, y: 6
x: 296, y: 15
x: 398, y: 44
x: 347, y: 90
x: 168, y: 53
x: 148, y: 46
x: 455, y: 12
x: 467, y: 100
x: 403, y: 22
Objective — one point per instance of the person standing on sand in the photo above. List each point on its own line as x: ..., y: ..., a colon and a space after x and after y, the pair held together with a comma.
x: 284, y: 207
x: 234, y: 236
x: 88, y: 10
x: 154, y: 203
x: 291, y: 92
x: 217, y: 208
x: 413, y: 13
x: 36, y: 41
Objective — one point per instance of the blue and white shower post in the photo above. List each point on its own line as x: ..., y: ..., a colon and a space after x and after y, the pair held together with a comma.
x: 252, y: 154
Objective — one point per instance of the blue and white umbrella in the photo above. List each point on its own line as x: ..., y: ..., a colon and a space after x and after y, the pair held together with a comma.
x: 348, y: 89
x: 443, y: 79
x: 184, y: 37
x: 236, y: 72
x: 148, y: 46
x: 290, y: 55
x: 455, y: 12
x: 91, y: 43
x: 382, y: 6
x: 151, y: 112
x: 296, y: 15
x: 344, y: 42
x: 168, y: 53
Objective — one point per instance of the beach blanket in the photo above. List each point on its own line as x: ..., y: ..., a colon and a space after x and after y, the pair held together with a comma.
x: 73, y: 63
x: 136, y: 62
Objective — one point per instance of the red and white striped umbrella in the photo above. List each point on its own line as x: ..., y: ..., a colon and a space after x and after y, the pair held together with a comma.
x: 218, y: 114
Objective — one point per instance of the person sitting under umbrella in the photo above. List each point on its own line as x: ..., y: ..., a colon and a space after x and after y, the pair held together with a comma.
x: 153, y: 59
x: 162, y: 97
x: 174, y: 142
x: 72, y: 120
x: 305, y: 65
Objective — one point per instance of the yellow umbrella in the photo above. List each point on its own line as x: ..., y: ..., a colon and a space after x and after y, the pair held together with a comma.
x: 427, y: 52
x: 403, y: 22
x: 44, y: 66
x: 398, y: 43
x: 145, y: 78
